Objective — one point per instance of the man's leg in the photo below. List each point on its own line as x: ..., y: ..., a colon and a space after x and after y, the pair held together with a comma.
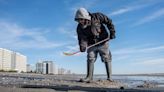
x: 90, y: 69
x: 108, y: 67
x: 91, y: 58
x: 106, y: 57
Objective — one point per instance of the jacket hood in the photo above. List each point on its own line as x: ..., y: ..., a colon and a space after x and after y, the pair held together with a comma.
x: 83, y: 14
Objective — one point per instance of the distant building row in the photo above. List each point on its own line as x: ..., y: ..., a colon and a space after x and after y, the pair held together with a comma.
x: 10, y: 60
x: 47, y: 67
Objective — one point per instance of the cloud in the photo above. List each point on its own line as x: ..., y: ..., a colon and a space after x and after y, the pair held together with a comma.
x: 152, y: 17
x: 129, y: 9
x: 120, y: 11
x: 15, y: 36
x: 138, y: 50
x: 151, y: 62
x: 68, y: 31
x: 120, y: 58
x: 133, y: 7
x: 150, y: 56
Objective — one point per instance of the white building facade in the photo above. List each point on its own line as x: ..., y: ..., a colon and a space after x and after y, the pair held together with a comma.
x: 20, y: 63
x: 48, y: 67
x: 10, y: 60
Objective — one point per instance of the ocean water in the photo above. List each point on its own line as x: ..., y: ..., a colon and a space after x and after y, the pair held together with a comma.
x: 135, y: 80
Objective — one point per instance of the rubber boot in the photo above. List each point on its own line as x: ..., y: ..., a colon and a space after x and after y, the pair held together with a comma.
x: 108, y: 67
x: 89, y: 77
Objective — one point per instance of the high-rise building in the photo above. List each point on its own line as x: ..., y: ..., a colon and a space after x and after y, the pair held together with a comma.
x: 48, y: 67
x: 10, y: 60
x: 6, y: 59
x: 1, y: 58
x: 13, y: 60
x: 20, y: 62
x: 39, y: 67
x: 45, y: 67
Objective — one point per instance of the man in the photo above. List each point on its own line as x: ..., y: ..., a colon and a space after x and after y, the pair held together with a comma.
x: 90, y: 30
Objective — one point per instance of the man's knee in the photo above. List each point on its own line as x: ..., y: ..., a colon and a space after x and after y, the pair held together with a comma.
x: 91, y: 60
x: 106, y: 59
x: 92, y: 56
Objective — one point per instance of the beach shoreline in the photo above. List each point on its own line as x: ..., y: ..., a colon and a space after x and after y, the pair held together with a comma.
x: 13, y: 82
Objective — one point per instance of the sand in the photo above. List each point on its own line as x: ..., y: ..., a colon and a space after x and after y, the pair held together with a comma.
x: 14, y: 82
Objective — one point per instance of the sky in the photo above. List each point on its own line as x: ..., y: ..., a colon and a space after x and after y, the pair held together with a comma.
x: 43, y: 29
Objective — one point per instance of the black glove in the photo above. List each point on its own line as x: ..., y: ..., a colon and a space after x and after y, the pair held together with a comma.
x: 112, y: 35
x: 82, y: 49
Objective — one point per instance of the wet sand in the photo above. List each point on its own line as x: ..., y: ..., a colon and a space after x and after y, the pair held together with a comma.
x: 13, y: 82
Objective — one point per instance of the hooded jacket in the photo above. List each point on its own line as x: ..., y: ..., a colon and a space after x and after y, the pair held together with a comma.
x: 96, y: 31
